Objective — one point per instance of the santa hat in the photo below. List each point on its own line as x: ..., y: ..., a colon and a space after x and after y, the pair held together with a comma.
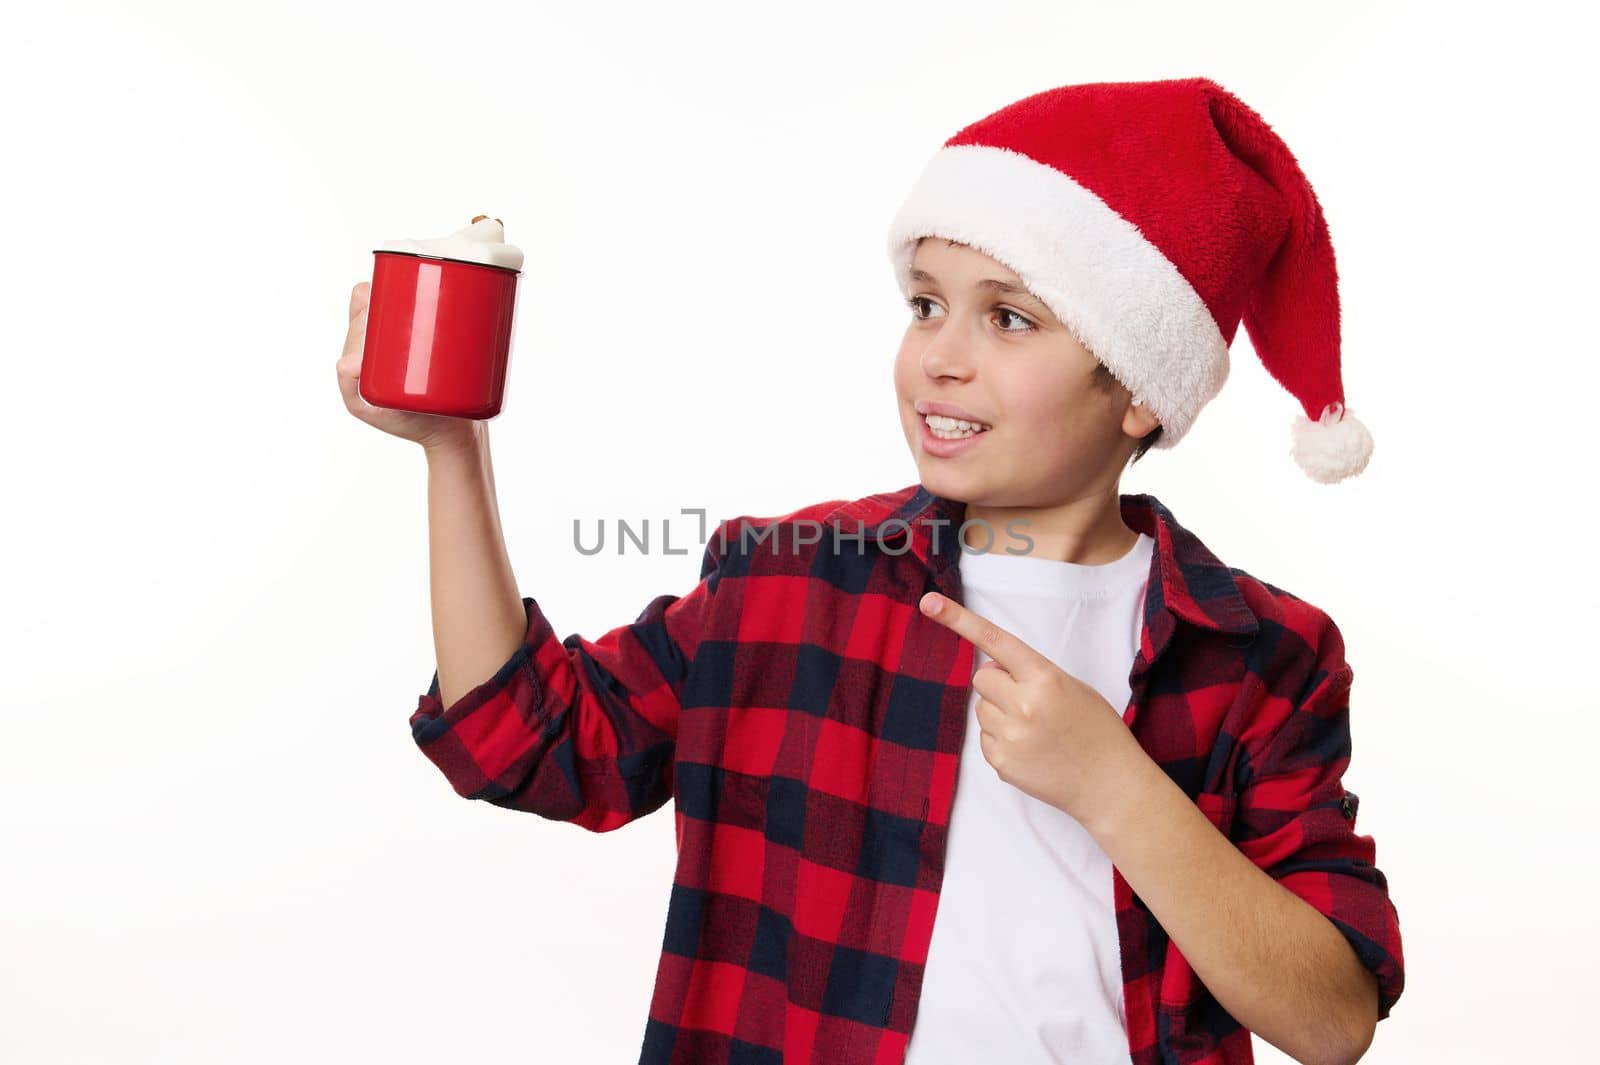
x: 1151, y: 217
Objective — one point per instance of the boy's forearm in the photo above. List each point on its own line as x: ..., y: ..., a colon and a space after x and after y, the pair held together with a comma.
x: 1276, y: 964
x: 478, y: 618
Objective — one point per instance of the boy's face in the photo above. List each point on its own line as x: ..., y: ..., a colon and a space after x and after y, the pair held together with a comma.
x: 1004, y: 359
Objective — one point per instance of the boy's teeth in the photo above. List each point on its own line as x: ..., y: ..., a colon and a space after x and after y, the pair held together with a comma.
x: 940, y: 421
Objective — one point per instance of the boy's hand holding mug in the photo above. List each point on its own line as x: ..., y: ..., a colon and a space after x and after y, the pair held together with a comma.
x: 429, y: 342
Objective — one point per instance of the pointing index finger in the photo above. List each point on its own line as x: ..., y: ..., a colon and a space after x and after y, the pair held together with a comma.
x: 1010, y: 652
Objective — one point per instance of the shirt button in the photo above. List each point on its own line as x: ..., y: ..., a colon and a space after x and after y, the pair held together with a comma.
x: 1347, y: 806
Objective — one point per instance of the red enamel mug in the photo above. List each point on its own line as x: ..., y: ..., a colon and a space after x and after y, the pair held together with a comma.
x: 439, y: 334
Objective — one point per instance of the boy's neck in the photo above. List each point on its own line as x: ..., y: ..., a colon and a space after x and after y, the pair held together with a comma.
x: 1087, y: 531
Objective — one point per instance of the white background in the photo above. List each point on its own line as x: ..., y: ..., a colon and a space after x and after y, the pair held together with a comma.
x: 220, y: 841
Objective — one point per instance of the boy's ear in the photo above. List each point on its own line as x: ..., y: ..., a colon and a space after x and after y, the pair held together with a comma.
x: 1138, y: 421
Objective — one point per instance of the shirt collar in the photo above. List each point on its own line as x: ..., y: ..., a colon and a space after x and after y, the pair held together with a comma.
x: 1186, y: 578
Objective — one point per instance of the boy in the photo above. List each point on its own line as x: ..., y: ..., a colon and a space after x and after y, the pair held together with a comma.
x: 1123, y: 835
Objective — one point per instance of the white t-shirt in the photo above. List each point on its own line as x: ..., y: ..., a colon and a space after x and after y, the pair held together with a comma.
x: 1025, y: 964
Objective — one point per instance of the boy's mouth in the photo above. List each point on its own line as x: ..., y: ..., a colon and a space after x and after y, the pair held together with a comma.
x: 945, y: 428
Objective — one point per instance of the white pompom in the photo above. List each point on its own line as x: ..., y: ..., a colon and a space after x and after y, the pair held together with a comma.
x: 1333, y: 447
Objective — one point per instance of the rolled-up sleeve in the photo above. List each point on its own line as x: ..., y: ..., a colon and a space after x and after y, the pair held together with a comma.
x: 1296, y: 820
x: 580, y: 730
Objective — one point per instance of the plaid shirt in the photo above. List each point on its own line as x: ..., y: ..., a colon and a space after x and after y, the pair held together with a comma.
x: 805, y: 718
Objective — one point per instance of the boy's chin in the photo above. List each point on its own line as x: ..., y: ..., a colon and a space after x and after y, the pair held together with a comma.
x: 942, y: 478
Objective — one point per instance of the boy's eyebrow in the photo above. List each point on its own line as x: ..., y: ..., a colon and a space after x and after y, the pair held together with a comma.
x: 993, y: 283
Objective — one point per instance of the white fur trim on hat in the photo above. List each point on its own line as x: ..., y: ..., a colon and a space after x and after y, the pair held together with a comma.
x: 1333, y: 447
x: 1115, y: 291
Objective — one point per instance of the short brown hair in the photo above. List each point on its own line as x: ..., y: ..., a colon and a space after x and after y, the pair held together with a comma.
x: 1106, y: 380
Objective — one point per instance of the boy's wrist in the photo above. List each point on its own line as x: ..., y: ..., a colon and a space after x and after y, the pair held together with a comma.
x: 455, y: 446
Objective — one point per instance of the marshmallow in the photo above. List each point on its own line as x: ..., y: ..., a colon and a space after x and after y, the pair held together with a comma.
x: 481, y: 242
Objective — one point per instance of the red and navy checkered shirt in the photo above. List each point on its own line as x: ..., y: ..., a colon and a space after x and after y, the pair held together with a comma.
x: 805, y: 719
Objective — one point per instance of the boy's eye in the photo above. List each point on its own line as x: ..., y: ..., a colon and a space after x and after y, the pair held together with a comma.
x: 1026, y: 325
x: 916, y: 302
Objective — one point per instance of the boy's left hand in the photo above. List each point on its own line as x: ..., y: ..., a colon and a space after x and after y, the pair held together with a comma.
x: 1043, y: 730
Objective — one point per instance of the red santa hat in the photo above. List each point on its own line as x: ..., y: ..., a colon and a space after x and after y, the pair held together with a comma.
x: 1152, y: 217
